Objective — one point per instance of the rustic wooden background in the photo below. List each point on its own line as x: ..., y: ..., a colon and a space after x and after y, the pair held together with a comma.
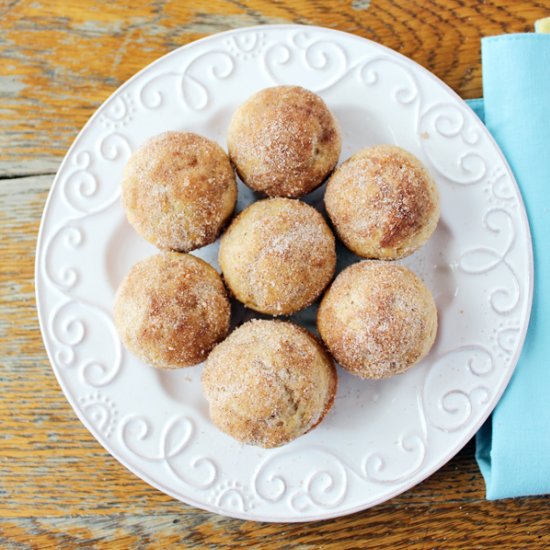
x: 59, y: 60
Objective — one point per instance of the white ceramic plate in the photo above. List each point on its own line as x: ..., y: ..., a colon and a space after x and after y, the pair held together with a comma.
x: 380, y: 438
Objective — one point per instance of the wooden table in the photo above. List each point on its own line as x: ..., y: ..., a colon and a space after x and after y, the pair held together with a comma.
x: 59, y: 60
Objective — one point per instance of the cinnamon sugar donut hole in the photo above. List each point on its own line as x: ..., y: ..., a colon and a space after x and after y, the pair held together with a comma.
x: 377, y: 319
x: 383, y: 203
x: 171, y: 310
x: 277, y: 256
x: 268, y: 383
x: 284, y: 141
x: 179, y: 190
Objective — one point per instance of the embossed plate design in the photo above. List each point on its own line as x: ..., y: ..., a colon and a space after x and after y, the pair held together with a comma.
x: 380, y: 437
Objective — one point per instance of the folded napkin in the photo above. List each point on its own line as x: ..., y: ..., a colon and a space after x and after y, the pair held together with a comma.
x: 513, y: 447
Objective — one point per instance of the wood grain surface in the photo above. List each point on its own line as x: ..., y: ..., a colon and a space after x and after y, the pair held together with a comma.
x: 59, y: 60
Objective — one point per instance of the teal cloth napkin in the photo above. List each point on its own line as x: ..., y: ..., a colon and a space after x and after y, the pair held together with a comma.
x: 513, y: 447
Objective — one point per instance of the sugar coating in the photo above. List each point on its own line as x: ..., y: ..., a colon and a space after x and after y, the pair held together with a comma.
x: 382, y: 202
x: 268, y: 383
x: 377, y: 319
x: 277, y: 256
x: 179, y: 190
x: 284, y: 141
x: 171, y: 309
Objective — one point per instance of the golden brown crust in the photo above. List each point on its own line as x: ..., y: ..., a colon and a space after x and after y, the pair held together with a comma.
x: 179, y: 190
x: 171, y: 310
x: 383, y: 203
x: 377, y: 319
x: 284, y: 141
x: 277, y: 256
x: 268, y: 383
